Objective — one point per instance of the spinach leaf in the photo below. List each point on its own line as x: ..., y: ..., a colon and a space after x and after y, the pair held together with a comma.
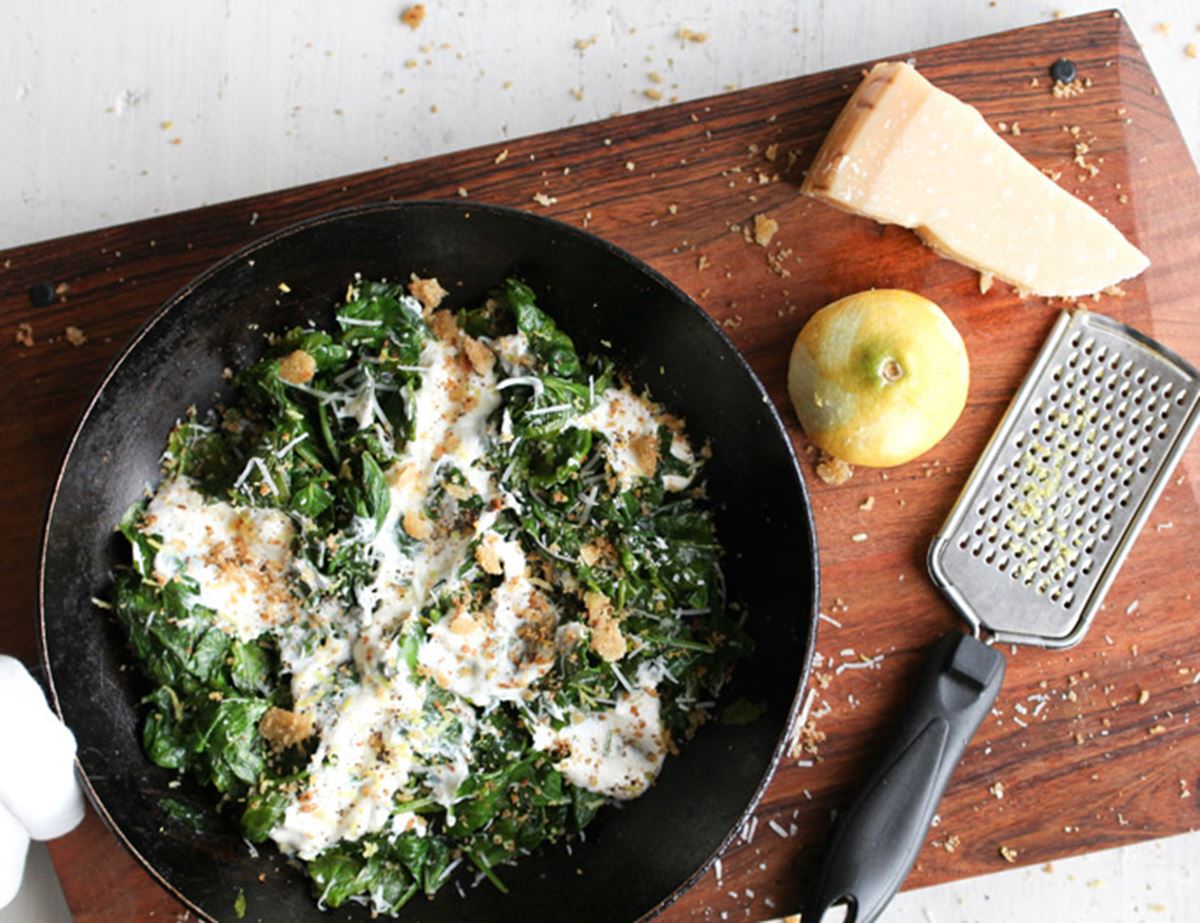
x: 379, y: 497
x: 193, y: 817
x: 553, y: 347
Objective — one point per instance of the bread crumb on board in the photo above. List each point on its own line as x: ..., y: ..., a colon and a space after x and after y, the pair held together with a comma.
x: 833, y: 470
x: 413, y: 15
x: 24, y: 335
x: 765, y: 228
x: 1062, y: 90
x: 688, y: 35
x: 1009, y: 854
x: 985, y: 282
x: 75, y: 336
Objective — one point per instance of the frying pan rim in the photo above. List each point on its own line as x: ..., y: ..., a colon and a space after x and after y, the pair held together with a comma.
x: 172, y: 303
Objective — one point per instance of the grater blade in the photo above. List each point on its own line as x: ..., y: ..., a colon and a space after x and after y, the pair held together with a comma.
x: 1066, y: 482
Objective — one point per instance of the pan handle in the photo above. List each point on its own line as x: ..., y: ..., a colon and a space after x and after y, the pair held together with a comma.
x: 875, y: 842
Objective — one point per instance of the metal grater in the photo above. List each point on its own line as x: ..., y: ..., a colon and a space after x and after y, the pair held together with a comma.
x: 1066, y: 482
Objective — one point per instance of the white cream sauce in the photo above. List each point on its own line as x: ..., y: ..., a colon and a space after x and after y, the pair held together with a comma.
x: 617, y: 752
x: 239, y: 556
x: 623, y: 417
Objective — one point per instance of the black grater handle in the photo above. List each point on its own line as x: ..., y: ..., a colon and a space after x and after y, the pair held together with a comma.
x: 875, y: 842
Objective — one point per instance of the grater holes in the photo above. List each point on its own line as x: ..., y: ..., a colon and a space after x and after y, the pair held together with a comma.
x: 1181, y: 398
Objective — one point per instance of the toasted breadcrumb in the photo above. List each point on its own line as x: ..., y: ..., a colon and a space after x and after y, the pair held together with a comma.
x: 544, y: 200
x: 427, y: 291
x: 75, y: 336
x: 1070, y: 90
x: 282, y: 728
x: 297, y: 367
x: 413, y: 15
x: 606, y: 637
x: 482, y: 359
x: 501, y: 157
x: 444, y: 327
x: 1190, y: 50
x: 997, y: 789
x: 417, y: 525
x: 688, y: 35
x: 462, y: 623
x: 777, y: 259
x: 952, y: 843
x: 833, y: 470
x: 24, y: 334
x: 488, y: 557
x: 645, y: 452
x: 765, y: 228
x: 462, y: 192
x: 581, y: 44
x: 652, y: 93
x: 868, y: 504
x: 1009, y: 854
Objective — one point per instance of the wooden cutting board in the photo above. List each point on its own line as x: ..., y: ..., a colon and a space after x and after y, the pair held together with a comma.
x: 1084, y: 758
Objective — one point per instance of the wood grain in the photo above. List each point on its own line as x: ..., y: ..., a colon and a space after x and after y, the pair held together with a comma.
x: 1084, y: 769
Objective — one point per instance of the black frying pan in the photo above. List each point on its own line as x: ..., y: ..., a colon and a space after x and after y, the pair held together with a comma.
x: 635, y: 860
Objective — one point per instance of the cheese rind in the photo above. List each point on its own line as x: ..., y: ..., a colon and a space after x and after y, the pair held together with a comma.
x: 904, y: 152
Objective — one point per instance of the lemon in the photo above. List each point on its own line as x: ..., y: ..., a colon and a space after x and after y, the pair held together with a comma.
x: 879, y: 377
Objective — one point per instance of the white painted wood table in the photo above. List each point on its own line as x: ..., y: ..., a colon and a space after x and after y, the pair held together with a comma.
x: 120, y: 110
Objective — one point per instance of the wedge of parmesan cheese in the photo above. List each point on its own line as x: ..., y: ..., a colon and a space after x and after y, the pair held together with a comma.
x: 904, y: 152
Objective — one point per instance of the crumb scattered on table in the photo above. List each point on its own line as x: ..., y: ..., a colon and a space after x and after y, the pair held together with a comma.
x: 764, y: 229
x: 413, y: 15
x: 1009, y: 854
x: 1070, y: 90
x: 833, y: 470
x: 24, y: 335
x: 688, y: 35
x: 75, y: 336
